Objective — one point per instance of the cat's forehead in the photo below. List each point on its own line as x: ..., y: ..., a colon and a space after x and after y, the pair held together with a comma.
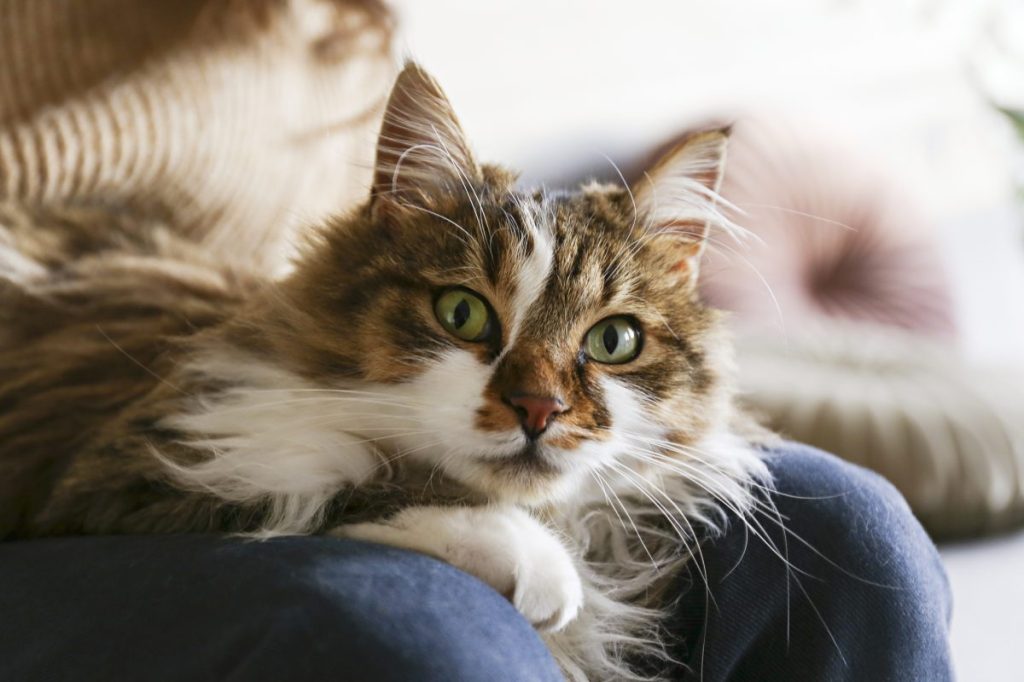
x: 558, y: 256
x: 596, y: 214
x: 580, y: 229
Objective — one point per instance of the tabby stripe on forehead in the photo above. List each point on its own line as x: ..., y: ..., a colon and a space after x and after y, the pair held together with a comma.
x: 609, y: 288
x: 533, y: 272
x: 576, y: 269
x: 492, y: 262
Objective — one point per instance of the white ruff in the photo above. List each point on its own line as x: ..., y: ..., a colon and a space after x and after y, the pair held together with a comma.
x: 271, y: 437
x: 629, y: 552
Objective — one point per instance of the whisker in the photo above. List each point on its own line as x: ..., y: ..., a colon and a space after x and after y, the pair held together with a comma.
x: 639, y: 536
x: 141, y: 366
x: 793, y: 211
x: 684, y: 537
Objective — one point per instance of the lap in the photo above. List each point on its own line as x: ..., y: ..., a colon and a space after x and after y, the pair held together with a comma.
x: 832, y: 579
x: 202, y: 607
x: 851, y: 589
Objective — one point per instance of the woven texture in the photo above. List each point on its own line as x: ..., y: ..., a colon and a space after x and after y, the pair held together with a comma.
x: 949, y: 436
x: 246, y: 119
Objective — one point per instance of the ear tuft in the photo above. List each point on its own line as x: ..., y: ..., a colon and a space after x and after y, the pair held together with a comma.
x: 421, y: 147
x: 676, y: 199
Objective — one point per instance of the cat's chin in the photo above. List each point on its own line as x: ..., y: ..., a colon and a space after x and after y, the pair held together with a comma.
x: 527, y: 478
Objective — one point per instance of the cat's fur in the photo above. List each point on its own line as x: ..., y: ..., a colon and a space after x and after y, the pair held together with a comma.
x: 147, y: 388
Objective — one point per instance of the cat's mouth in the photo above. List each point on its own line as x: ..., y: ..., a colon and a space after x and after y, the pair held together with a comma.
x: 534, y: 458
x: 530, y: 475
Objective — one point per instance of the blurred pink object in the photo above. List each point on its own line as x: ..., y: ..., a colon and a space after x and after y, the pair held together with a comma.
x: 833, y: 240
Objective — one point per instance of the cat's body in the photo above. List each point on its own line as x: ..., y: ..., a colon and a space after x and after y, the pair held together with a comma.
x: 429, y: 376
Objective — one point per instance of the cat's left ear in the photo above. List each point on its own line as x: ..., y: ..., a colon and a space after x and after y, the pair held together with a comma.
x: 676, y: 198
x: 421, y: 149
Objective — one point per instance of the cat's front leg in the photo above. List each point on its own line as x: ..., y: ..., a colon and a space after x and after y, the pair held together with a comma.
x: 503, y: 546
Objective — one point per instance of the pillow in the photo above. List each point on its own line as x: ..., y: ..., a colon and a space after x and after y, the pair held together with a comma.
x: 948, y: 435
x: 834, y: 240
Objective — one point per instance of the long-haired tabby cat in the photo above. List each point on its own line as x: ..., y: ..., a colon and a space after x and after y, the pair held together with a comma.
x: 521, y: 383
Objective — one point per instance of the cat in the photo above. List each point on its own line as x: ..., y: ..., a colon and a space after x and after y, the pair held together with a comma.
x: 524, y: 384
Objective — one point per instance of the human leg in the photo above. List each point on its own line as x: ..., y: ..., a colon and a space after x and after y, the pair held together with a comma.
x: 210, y: 608
x: 852, y: 590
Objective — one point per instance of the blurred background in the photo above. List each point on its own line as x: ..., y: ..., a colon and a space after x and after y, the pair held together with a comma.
x: 877, y: 161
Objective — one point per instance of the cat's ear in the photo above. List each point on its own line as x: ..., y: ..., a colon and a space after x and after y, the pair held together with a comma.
x: 421, y: 148
x: 676, y: 199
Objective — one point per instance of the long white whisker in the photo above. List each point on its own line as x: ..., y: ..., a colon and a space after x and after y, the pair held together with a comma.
x: 685, y: 537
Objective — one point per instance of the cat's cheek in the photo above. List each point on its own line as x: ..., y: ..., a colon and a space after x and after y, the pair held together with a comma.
x: 631, y: 415
x: 448, y: 396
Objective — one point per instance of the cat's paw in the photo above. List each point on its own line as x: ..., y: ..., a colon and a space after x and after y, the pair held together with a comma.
x: 503, y: 546
x: 548, y: 590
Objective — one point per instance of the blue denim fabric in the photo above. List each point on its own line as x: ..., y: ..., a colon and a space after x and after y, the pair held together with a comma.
x: 208, y: 608
x: 862, y: 595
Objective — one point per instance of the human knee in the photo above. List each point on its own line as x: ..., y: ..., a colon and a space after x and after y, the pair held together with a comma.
x: 851, y: 522
x: 411, y: 617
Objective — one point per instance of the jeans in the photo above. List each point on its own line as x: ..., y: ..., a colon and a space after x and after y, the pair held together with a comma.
x: 861, y: 595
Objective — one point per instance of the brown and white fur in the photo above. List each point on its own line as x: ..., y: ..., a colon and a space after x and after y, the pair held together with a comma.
x: 147, y: 388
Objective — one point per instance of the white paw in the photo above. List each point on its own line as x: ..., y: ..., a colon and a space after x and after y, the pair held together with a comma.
x: 548, y: 590
x: 503, y: 546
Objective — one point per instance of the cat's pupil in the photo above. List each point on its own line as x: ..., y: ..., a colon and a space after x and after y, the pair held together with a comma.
x: 460, y: 314
x: 610, y: 338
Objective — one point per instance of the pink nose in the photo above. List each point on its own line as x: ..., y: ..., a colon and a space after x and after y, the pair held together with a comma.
x: 535, y: 412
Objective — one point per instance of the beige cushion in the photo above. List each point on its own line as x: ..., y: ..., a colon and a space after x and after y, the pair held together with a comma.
x: 948, y: 435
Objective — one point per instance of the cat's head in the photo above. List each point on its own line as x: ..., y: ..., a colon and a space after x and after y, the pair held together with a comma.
x: 516, y: 340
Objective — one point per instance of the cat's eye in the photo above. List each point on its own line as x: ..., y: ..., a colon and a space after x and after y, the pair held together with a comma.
x: 463, y: 314
x: 613, y: 341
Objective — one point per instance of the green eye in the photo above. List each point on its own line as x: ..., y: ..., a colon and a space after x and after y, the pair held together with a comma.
x: 464, y: 314
x: 613, y: 341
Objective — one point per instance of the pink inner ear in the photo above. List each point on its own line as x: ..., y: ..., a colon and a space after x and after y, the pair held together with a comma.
x: 686, y: 263
x: 680, y: 248
x: 681, y: 265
